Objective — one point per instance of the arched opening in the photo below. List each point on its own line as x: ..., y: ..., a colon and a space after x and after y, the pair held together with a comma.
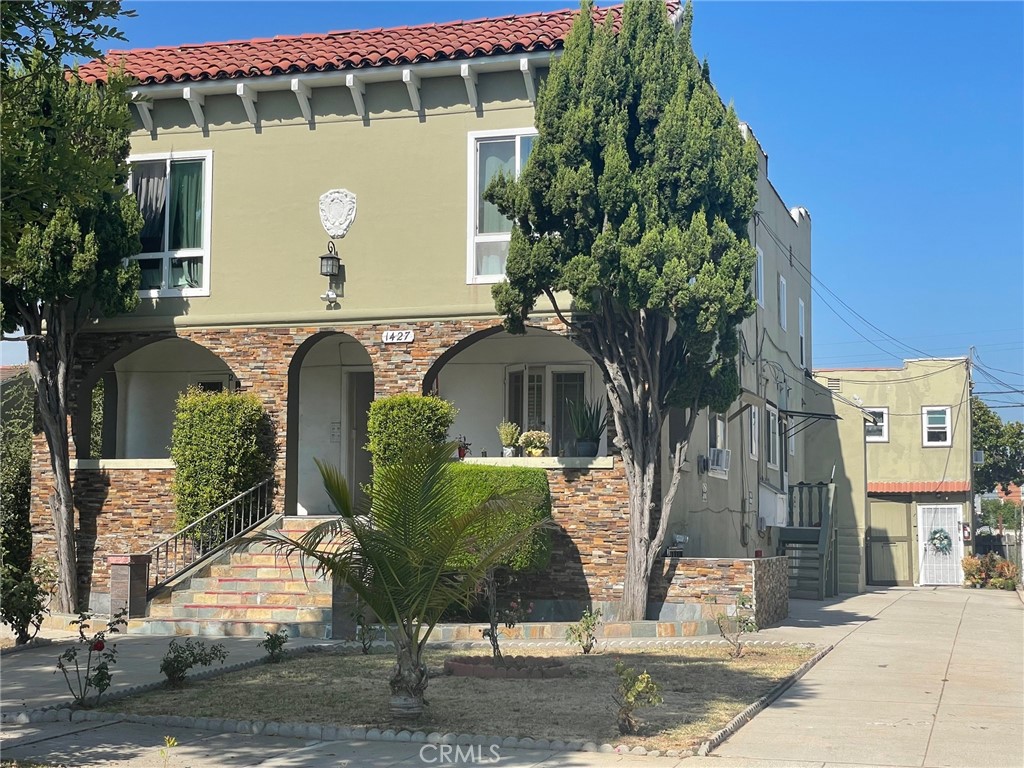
x: 127, y: 406
x: 530, y: 379
x: 330, y: 388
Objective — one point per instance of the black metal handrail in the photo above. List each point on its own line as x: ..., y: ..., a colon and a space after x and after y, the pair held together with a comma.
x: 209, y: 534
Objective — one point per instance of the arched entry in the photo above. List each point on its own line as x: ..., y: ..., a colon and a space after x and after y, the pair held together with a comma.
x: 330, y: 388
x: 529, y: 379
x: 140, y: 386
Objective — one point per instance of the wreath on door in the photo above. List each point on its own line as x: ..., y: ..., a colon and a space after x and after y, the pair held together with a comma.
x: 940, y: 541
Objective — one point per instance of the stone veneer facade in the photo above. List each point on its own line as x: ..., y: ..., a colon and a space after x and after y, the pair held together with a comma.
x: 696, y: 589
x: 129, y: 510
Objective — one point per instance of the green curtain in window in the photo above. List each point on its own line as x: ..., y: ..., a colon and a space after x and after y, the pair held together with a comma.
x: 186, y: 205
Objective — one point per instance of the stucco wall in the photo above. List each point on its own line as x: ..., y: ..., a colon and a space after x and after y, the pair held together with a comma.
x: 905, y: 391
x: 406, y: 252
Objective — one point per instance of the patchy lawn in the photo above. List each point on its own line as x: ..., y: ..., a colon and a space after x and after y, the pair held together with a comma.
x: 703, y: 689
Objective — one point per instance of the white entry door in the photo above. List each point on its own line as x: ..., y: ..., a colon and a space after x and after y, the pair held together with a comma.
x: 940, y: 543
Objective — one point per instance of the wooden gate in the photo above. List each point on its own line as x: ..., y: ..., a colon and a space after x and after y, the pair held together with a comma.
x: 890, y: 559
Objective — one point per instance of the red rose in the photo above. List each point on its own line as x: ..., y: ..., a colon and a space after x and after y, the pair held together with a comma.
x: 98, y: 646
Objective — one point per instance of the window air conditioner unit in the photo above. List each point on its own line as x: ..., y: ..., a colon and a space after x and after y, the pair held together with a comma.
x: 718, y: 459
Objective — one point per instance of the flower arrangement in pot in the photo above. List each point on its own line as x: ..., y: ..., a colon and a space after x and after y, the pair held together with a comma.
x: 534, y: 442
x: 508, y: 433
x: 588, y: 422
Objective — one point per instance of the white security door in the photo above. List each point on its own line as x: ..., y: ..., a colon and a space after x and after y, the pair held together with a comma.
x: 940, y: 544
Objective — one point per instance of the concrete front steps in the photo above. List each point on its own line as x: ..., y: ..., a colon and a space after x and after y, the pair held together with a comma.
x: 246, y: 593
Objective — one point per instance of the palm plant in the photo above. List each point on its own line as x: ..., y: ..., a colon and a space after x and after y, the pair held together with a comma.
x: 396, y: 553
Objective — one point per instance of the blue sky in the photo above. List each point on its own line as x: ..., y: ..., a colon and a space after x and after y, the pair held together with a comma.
x: 899, y: 126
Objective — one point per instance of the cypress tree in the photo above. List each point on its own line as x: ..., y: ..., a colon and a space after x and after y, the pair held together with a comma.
x: 635, y: 200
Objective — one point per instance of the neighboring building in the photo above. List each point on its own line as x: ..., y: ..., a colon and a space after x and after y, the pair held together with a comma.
x: 234, y: 146
x: 917, y: 470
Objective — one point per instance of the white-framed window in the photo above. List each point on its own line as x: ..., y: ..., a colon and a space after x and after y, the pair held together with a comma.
x: 879, y: 431
x: 489, y: 233
x: 174, y: 194
x: 802, y: 322
x: 718, y: 445
x: 759, y: 277
x: 782, y: 302
x: 718, y: 432
x: 771, y: 436
x: 537, y: 397
x: 755, y: 431
x: 936, y: 429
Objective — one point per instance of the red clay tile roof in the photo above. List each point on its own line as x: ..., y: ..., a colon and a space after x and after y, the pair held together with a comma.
x: 945, y: 486
x: 351, y: 49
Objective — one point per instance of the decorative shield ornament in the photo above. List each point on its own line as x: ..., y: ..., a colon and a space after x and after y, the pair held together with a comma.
x: 337, y: 211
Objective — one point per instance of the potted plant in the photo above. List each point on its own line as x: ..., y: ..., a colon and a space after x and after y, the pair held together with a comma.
x: 534, y: 442
x: 462, y: 446
x: 588, y: 423
x: 508, y: 433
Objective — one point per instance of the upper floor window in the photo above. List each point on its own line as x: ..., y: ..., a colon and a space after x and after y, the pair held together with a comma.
x: 491, y: 153
x: 935, y: 426
x: 802, y: 322
x: 759, y: 277
x: 755, y: 431
x: 782, y: 302
x: 173, y: 191
x: 771, y: 436
x: 879, y: 431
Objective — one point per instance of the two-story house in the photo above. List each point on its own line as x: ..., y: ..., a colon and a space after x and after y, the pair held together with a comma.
x: 245, y: 151
x: 906, y: 440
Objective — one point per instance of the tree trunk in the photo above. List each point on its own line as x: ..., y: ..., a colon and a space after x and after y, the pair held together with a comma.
x: 408, y: 684
x: 638, y: 561
x: 48, y: 367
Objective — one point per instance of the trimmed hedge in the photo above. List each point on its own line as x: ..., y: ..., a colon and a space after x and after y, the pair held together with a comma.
x: 222, y: 444
x: 474, y: 483
x: 396, y: 422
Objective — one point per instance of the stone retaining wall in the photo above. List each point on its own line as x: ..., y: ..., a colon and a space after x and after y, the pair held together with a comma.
x: 698, y: 589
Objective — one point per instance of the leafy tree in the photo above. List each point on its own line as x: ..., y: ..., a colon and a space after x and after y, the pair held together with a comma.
x: 636, y: 199
x: 55, y: 29
x: 396, y: 553
x: 69, y: 228
x: 1003, y: 445
x: 996, y: 511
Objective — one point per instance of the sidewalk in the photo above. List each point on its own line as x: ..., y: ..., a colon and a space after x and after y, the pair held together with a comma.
x: 918, y: 677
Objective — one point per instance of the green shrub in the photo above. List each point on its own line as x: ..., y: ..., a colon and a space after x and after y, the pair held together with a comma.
x: 222, y: 444
x: 180, y: 658
x: 21, y: 600
x: 474, y: 483
x: 584, y: 632
x: 399, y: 421
x: 274, y: 646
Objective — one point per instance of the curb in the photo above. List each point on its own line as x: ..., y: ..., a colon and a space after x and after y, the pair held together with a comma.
x: 747, y: 714
x: 35, y: 642
x: 321, y: 732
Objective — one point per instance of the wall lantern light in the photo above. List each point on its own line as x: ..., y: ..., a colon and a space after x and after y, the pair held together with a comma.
x: 330, y: 262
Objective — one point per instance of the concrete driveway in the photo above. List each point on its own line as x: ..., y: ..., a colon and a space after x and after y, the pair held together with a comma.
x: 918, y: 677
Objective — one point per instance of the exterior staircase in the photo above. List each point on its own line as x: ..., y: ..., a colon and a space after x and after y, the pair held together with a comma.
x: 809, y: 541
x: 244, y: 593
